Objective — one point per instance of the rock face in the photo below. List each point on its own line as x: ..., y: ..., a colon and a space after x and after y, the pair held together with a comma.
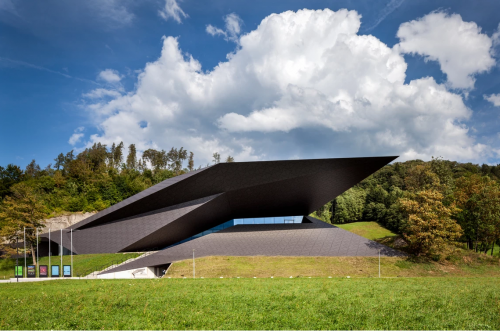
x: 61, y: 222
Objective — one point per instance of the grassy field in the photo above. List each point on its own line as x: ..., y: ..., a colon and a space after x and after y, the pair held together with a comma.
x: 283, y: 266
x: 83, y: 264
x: 369, y: 230
x: 316, y: 303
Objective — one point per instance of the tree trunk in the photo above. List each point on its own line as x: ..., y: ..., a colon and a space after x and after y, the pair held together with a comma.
x: 33, y: 254
x: 492, y: 247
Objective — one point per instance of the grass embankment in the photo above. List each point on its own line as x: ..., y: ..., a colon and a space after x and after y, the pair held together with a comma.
x: 470, y: 265
x: 317, y: 303
x: 82, y: 264
x: 369, y: 230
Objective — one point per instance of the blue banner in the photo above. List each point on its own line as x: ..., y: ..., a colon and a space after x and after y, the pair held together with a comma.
x: 55, y: 271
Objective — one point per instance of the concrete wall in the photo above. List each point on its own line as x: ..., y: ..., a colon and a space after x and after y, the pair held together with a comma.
x: 61, y: 222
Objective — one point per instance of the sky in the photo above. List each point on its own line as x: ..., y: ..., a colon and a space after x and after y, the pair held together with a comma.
x: 257, y: 80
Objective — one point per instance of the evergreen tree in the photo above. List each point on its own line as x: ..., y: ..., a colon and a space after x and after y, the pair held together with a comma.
x: 216, y: 158
x: 191, y: 161
x: 132, y: 157
x: 32, y: 169
x: 118, y: 155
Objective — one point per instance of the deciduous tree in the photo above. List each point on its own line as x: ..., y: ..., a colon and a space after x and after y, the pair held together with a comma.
x: 430, y: 228
x: 23, y: 209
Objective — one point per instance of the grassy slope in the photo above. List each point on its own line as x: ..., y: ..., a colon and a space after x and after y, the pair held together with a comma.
x: 369, y: 230
x: 283, y: 266
x: 83, y: 264
x: 318, y: 303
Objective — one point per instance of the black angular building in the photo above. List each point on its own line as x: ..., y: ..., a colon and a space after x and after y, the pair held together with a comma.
x: 232, y: 209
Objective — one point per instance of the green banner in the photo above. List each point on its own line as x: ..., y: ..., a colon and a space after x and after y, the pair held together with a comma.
x: 18, y: 271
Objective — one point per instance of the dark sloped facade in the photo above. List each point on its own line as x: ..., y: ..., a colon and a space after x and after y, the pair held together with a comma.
x: 186, y: 205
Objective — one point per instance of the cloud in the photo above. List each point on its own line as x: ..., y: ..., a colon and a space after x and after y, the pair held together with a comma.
x: 233, y: 28
x: 110, y: 76
x: 496, y: 36
x: 460, y: 48
x: 301, y: 85
x: 62, y: 17
x: 102, y: 93
x: 391, y: 6
x: 493, y: 98
x: 77, y: 136
x: 172, y: 10
x: 212, y: 30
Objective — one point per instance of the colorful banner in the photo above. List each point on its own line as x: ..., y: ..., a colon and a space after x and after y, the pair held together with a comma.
x: 18, y: 271
x: 43, y: 271
x: 31, y: 271
x: 67, y: 271
x: 55, y: 271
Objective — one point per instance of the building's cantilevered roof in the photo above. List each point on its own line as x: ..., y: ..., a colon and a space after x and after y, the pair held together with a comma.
x: 183, y: 206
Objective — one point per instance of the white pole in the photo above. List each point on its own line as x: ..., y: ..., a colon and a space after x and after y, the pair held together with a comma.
x: 50, y: 244
x: 71, y: 252
x: 379, y: 263
x: 37, y: 251
x: 194, y: 269
x: 25, y: 250
x: 60, y: 270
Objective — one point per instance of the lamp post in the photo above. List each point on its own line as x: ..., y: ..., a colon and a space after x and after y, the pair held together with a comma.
x: 17, y: 256
x: 24, y: 251
x: 50, y: 244
x: 194, y: 268
x: 379, y: 263
x: 71, y: 253
x: 37, y: 254
x: 61, y: 254
x: 24, y: 229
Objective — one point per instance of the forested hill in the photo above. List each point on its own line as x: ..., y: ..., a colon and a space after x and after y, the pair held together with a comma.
x: 430, y: 204
x: 96, y: 178
x: 427, y: 200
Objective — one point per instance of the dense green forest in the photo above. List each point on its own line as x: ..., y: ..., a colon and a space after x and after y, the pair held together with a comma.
x: 98, y: 177
x: 468, y: 194
x: 430, y: 204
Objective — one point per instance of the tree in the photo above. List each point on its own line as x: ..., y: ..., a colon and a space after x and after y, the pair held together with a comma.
x: 421, y: 177
x: 230, y: 159
x: 348, y: 207
x: 9, y: 176
x: 176, y: 158
x: 157, y: 159
x: 24, y: 209
x: 118, y: 155
x: 132, y: 157
x: 191, y: 161
x: 216, y: 157
x: 479, y: 200
x: 430, y: 228
x: 59, y: 161
x: 32, y: 169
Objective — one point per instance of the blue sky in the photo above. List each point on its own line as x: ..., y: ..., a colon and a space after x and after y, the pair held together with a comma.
x: 307, y: 82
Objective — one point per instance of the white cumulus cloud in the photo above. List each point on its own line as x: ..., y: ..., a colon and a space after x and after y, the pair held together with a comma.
x: 494, y: 99
x: 110, y: 76
x: 460, y: 48
x: 172, y: 10
x: 302, y: 84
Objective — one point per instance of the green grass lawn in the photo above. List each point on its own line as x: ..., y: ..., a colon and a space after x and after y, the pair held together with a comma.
x: 299, y: 303
x: 82, y: 264
x: 369, y: 230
